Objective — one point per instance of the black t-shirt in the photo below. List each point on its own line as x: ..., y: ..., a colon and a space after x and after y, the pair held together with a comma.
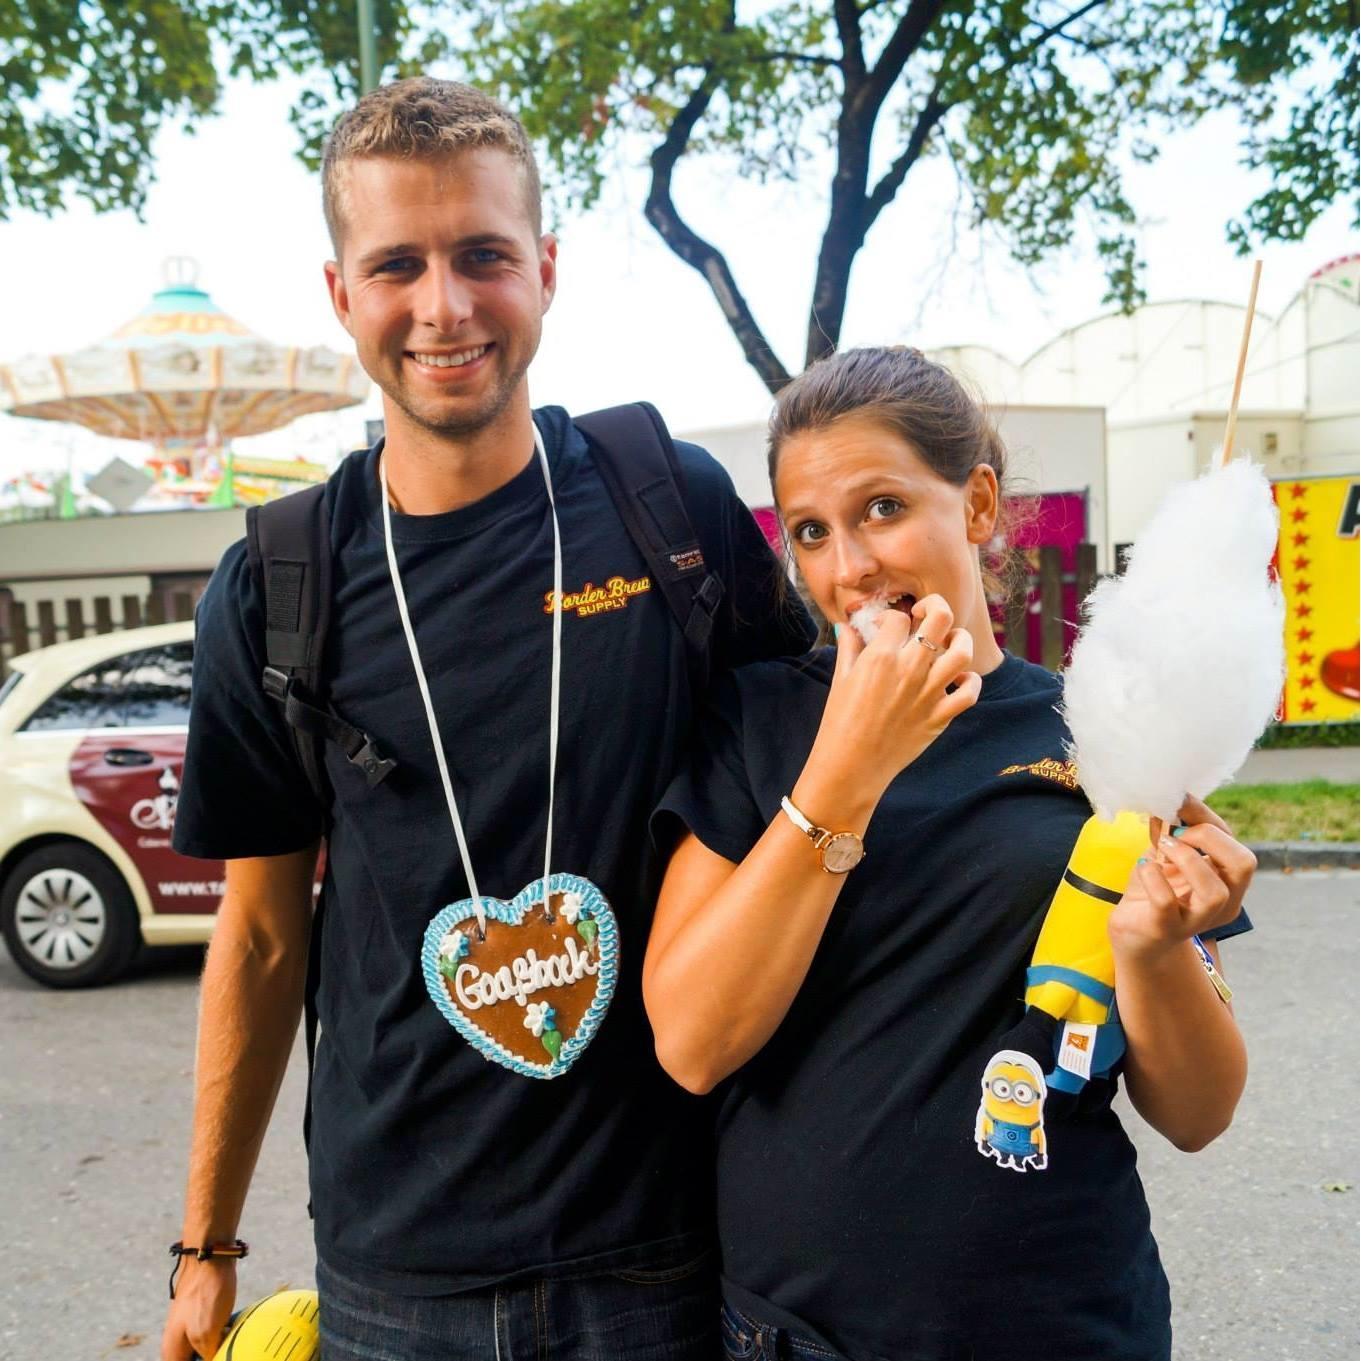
x: 433, y: 1169
x: 854, y: 1206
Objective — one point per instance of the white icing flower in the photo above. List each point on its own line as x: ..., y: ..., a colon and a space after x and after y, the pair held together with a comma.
x: 539, y: 1016
x: 573, y: 905
x: 454, y: 945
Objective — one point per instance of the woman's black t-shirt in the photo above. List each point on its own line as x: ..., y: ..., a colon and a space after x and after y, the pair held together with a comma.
x: 854, y: 1206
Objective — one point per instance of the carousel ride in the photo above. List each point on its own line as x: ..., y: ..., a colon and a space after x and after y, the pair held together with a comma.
x: 187, y: 379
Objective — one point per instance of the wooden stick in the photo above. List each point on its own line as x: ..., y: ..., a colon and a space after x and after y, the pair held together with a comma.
x: 1226, y: 453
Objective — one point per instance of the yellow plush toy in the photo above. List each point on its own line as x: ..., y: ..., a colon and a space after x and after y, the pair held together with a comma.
x: 1070, y: 1027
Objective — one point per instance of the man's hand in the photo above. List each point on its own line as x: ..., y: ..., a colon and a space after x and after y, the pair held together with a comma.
x: 204, y: 1295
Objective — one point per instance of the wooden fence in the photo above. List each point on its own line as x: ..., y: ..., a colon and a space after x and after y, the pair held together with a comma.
x: 53, y: 621
x: 1036, y: 577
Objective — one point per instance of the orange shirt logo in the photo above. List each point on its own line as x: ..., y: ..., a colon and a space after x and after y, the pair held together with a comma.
x: 615, y: 594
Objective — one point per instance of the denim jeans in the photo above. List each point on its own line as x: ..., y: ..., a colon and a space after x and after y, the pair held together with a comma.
x: 747, y: 1339
x: 665, y: 1312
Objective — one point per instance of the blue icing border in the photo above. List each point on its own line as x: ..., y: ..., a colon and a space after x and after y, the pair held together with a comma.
x: 512, y: 913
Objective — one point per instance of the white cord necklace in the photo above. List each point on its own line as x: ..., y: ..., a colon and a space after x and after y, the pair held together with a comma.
x: 555, y: 685
x: 566, y: 961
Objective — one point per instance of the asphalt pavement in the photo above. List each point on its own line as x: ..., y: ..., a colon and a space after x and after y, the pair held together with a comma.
x: 1259, y: 1232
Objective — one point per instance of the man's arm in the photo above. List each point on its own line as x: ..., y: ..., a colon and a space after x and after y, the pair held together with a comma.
x: 251, y: 999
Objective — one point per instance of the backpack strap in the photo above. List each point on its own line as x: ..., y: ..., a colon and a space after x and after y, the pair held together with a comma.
x: 289, y: 550
x: 638, y: 464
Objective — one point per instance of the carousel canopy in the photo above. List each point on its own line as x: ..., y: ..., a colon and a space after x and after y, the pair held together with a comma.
x: 181, y: 369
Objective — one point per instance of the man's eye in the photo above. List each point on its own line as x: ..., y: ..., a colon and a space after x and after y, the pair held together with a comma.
x: 484, y: 256
x: 808, y: 533
x: 397, y: 265
x: 884, y: 506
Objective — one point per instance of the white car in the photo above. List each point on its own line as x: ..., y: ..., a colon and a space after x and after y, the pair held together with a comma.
x: 92, y: 737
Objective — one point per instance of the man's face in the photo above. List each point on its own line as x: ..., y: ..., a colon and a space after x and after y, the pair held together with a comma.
x: 443, y: 284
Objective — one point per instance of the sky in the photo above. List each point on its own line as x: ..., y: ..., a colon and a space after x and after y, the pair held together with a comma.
x: 630, y: 320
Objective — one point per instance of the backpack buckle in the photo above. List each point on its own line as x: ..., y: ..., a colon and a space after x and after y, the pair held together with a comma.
x: 372, y: 762
x: 276, y: 683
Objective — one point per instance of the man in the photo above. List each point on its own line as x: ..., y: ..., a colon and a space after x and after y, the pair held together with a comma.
x: 462, y: 1208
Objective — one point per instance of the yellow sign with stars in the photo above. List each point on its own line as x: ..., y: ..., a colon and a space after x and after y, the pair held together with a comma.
x: 1317, y: 561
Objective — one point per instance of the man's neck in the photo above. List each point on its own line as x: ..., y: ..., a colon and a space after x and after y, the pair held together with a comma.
x: 429, y: 474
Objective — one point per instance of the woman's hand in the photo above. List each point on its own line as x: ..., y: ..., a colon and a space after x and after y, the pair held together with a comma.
x: 1199, y: 885
x: 888, y: 699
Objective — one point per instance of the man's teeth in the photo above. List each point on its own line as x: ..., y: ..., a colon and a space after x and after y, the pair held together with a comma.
x: 451, y: 361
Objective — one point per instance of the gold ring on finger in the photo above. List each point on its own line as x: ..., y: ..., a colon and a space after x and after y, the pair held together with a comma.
x: 927, y: 643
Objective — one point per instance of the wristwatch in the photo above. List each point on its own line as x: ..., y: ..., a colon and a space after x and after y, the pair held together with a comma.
x: 838, y: 852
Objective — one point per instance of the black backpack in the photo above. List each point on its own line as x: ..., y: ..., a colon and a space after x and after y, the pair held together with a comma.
x: 288, y: 549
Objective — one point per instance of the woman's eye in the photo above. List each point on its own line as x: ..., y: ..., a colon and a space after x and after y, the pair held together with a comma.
x: 809, y: 533
x: 883, y: 507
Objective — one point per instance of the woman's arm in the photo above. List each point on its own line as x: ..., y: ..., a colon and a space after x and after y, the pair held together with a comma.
x: 731, y: 944
x: 1187, y: 1063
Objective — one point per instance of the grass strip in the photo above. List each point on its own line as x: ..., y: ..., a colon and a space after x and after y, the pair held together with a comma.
x: 1308, y: 810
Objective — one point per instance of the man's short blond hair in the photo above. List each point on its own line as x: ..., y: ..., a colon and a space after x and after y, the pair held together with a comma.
x: 423, y: 119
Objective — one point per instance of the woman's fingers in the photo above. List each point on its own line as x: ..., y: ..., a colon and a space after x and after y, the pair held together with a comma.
x: 1235, y: 862
x: 1161, y: 899
x: 968, y: 687
x: 1210, y: 899
x: 934, y: 619
x: 849, y: 645
x: 1194, y: 813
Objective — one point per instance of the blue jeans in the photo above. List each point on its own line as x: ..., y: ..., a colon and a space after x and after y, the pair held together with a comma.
x: 747, y: 1339
x: 664, y: 1312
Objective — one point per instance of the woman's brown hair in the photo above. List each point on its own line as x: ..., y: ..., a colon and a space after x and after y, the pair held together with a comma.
x: 917, y: 399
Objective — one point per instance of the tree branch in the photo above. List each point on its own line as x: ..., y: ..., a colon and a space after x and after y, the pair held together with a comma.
x: 698, y: 253
x: 907, y: 37
x: 800, y: 58
x: 883, y: 192
x: 1053, y: 30
x: 847, y: 14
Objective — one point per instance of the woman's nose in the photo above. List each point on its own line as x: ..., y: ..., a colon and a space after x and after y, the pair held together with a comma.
x: 853, y: 561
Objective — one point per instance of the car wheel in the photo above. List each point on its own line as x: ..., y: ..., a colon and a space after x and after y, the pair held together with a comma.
x: 68, y: 917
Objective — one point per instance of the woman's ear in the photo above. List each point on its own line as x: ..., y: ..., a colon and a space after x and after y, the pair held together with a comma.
x: 981, y: 504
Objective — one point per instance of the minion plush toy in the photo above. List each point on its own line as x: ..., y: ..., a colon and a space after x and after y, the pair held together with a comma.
x: 1010, y: 1124
x: 1070, y: 1033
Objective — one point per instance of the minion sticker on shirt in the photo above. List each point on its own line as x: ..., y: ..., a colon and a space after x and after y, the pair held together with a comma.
x: 1010, y: 1123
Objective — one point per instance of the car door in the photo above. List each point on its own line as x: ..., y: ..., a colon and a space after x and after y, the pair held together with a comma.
x: 128, y: 775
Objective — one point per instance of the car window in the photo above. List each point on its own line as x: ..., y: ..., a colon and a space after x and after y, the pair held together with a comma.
x: 93, y: 699
x: 156, y: 691
x: 7, y: 686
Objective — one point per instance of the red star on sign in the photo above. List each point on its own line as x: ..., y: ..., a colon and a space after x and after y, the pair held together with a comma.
x: 1304, y: 658
x: 1300, y: 563
x: 1307, y: 706
x: 1303, y: 587
x: 1306, y: 682
x: 1304, y: 635
x: 1297, y: 491
x: 1301, y: 540
x: 1298, y: 514
x: 1302, y: 611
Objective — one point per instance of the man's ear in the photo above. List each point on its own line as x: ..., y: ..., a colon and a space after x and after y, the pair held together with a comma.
x: 548, y: 268
x: 981, y: 504
x: 340, y: 297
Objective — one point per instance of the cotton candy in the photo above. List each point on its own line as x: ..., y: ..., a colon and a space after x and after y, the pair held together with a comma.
x: 1179, y: 663
x: 865, y: 620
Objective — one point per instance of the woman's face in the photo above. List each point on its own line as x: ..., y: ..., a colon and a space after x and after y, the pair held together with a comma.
x: 869, y: 520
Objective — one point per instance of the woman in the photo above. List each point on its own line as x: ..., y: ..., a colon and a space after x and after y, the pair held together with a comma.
x: 854, y: 1006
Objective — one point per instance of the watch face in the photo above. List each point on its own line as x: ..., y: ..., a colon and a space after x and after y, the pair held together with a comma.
x: 843, y: 852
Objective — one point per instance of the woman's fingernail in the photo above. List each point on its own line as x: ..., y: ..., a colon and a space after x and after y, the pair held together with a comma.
x: 1177, y: 831
x: 1166, y: 842
x: 836, y: 630
x: 1142, y: 860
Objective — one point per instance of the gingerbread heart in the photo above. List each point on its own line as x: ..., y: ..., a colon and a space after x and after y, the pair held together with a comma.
x: 532, y: 994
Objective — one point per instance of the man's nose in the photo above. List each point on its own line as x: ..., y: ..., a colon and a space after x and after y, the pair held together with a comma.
x: 443, y: 300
